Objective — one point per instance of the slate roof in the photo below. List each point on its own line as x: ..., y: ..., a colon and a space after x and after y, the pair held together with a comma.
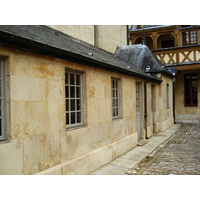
x: 47, y: 41
x: 142, y: 57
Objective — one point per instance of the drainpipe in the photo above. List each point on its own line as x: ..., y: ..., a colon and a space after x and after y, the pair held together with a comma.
x: 145, y: 106
x: 127, y: 32
x: 174, y: 81
x: 96, y: 35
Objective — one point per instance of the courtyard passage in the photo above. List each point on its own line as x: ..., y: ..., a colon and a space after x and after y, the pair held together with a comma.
x: 175, y: 151
x: 178, y: 155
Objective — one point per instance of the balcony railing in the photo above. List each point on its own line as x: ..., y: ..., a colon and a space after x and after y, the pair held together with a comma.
x: 178, y: 55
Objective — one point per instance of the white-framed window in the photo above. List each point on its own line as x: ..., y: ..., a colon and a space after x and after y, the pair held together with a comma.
x: 189, y: 37
x: 115, y: 83
x: 74, y: 98
x: 3, y: 135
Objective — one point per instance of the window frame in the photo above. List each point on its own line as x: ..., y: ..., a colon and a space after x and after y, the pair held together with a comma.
x: 187, y: 83
x: 116, y: 97
x: 3, y: 129
x: 77, y: 101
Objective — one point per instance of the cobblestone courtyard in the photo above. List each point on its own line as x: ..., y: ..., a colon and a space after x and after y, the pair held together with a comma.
x: 179, y: 155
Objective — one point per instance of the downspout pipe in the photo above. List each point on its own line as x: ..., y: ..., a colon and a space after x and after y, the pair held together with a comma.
x: 174, y: 81
x: 127, y: 32
x: 145, y: 106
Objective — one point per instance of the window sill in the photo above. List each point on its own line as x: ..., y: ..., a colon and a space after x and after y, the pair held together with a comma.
x: 4, y: 141
x: 116, y: 118
x: 75, y: 127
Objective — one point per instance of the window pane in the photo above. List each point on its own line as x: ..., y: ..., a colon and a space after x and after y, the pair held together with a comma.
x: 114, y: 113
x: 78, y: 117
x: 67, y: 91
x: 67, y: 105
x: 78, y: 82
x: 194, y: 100
x: 113, y: 84
x: 72, y: 106
x: 113, y: 93
x: 67, y: 118
x: 116, y: 94
x: 1, y: 128
x: 66, y: 78
x: 78, y: 104
x: 78, y: 92
x: 114, y: 105
x: 117, y: 103
x: 72, y: 92
x: 71, y: 79
x: 188, y: 101
x: 73, y: 121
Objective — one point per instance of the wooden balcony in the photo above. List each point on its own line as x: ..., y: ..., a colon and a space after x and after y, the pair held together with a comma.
x: 178, y: 55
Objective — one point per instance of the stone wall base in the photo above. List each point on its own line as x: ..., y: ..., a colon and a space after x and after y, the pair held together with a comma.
x: 188, y: 118
x: 91, y: 161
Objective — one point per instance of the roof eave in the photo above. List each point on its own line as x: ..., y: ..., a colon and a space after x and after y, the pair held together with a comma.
x: 34, y: 46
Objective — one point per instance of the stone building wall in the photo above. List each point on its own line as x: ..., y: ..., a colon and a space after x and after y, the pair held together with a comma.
x: 82, y: 32
x: 38, y: 136
x: 186, y: 114
x: 39, y: 142
x: 163, y: 115
x: 106, y: 37
x: 109, y: 37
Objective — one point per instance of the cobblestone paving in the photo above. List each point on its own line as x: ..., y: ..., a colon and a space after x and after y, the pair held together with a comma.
x: 179, y: 155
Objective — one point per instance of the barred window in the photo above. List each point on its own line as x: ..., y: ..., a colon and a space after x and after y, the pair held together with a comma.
x: 115, y: 98
x: 2, y: 102
x: 74, y: 99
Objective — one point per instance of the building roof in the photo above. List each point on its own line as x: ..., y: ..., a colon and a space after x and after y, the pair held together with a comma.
x: 142, y: 57
x: 47, y: 41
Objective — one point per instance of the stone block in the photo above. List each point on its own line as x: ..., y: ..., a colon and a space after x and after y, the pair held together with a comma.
x: 24, y: 84
x: 20, y: 118
x: 34, y: 153
x: 89, y: 162
x: 56, y: 112
x: 11, y: 158
x: 75, y: 143
x: 27, y: 86
x: 52, y: 148
x: 55, y: 89
x: 39, y: 117
x: 57, y: 170
x: 37, y: 84
x: 122, y: 146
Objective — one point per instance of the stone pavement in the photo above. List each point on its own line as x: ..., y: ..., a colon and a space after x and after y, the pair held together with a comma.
x: 180, y: 155
x: 129, y: 163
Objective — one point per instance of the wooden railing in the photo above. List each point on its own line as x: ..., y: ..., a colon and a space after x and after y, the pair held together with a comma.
x: 178, y: 54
